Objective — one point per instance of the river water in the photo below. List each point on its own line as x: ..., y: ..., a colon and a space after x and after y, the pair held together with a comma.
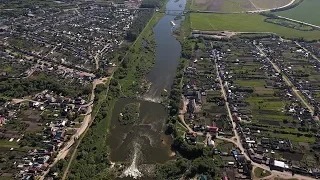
x: 144, y: 144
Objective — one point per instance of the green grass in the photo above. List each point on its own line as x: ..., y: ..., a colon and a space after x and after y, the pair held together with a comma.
x: 224, y: 146
x: 261, y: 173
x: 181, y: 128
x: 266, y: 103
x: 294, y: 137
x: 307, y: 11
x: 7, y: 69
x: 251, y: 83
x: 7, y: 144
x: 245, y: 23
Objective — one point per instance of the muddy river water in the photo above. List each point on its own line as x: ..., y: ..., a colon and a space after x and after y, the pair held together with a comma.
x: 144, y: 144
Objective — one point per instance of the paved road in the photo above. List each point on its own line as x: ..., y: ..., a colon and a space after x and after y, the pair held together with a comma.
x: 288, y: 82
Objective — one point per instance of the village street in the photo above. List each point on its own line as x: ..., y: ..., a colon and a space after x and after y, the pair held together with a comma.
x: 288, y: 82
x: 238, y: 142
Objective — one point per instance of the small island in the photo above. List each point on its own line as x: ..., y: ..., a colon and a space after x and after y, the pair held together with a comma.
x: 129, y: 114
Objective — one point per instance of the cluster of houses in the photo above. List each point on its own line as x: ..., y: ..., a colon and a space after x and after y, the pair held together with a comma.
x: 51, y: 100
x: 291, y: 68
x: 53, y: 134
x: 74, y: 37
x: 259, y: 148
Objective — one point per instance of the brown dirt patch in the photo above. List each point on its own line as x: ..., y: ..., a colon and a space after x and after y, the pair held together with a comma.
x: 215, y: 5
x: 31, y: 115
x: 32, y: 126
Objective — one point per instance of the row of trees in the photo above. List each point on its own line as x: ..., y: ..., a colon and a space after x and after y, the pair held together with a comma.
x: 151, y: 3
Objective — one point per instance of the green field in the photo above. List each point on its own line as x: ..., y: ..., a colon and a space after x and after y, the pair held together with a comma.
x: 245, y: 23
x: 228, y: 6
x: 260, y: 173
x: 307, y: 11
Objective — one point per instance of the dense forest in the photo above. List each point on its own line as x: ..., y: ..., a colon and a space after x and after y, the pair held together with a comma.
x: 139, y: 23
x: 151, y: 4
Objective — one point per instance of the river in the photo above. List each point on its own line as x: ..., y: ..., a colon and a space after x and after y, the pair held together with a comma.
x: 144, y: 144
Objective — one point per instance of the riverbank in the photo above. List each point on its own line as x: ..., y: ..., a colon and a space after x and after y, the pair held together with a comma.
x: 93, y: 151
x: 139, y: 61
x: 130, y: 80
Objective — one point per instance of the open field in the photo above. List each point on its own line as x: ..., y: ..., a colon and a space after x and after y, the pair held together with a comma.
x: 245, y: 23
x: 227, y: 6
x: 307, y: 11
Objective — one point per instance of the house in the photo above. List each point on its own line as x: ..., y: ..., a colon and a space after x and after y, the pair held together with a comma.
x: 2, y: 120
x: 241, y: 159
x: 191, y: 106
x: 199, y: 97
x: 235, y: 154
x: 212, y: 129
x: 210, y: 142
x: 59, y: 135
x: 192, y: 137
x: 315, y: 172
x: 265, y: 141
x: 278, y: 165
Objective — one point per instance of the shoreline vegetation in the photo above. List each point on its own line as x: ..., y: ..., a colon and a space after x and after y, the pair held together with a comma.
x: 129, y: 114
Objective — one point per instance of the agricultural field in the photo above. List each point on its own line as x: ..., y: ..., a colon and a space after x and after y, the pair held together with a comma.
x: 230, y: 6
x: 246, y: 23
x: 307, y: 11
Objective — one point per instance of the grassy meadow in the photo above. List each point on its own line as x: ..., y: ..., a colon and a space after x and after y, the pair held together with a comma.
x: 307, y: 11
x: 246, y: 23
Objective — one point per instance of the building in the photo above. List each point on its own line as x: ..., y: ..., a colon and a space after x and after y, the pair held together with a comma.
x: 278, y: 165
x: 212, y: 129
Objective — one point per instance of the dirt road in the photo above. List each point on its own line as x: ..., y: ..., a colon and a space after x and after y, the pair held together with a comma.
x: 259, y: 10
x: 84, y: 126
